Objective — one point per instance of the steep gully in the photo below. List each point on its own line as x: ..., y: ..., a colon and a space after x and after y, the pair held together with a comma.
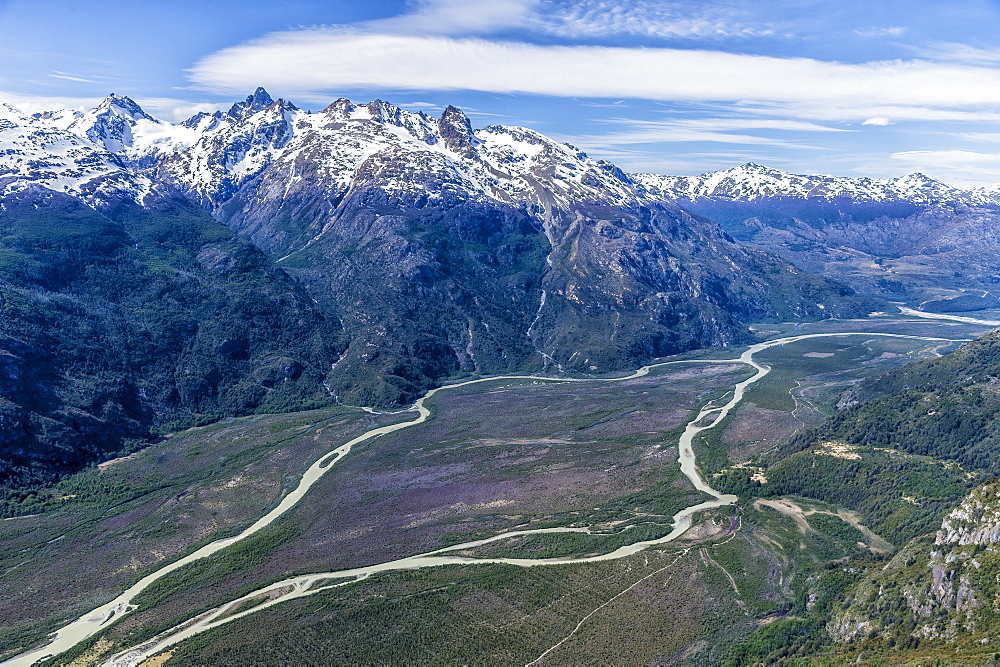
x: 301, y: 586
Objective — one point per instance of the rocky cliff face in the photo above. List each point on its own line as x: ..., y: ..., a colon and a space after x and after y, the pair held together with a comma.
x: 942, y: 588
x: 976, y: 521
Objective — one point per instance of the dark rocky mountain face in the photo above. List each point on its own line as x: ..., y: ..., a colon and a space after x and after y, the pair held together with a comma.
x: 894, y: 250
x: 447, y: 250
x: 476, y: 286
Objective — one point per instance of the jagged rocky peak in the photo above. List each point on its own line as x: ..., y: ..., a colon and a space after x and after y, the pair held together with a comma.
x: 204, y: 121
x: 456, y: 131
x: 339, y: 109
x: 975, y: 521
x: 258, y: 101
x: 418, y: 124
x: 384, y: 112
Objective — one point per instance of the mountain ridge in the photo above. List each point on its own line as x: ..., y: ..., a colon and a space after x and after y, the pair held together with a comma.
x: 751, y: 181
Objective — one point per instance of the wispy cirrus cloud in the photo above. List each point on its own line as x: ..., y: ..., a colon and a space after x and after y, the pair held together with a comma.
x: 456, y: 17
x: 888, y: 31
x: 852, y: 109
x: 68, y: 76
x: 730, y: 123
x: 168, y: 108
x: 670, y: 19
x: 624, y: 142
x: 987, y: 137
x: 957, y: 53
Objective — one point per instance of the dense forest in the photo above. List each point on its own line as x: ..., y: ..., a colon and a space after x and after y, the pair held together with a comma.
x: 948, y: 408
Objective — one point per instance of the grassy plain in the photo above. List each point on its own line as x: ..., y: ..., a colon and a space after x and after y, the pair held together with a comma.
x: 91, y: 535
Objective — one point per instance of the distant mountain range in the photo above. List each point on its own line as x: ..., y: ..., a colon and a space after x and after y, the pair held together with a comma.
x: 754, y: 182
x: 156, y: 276
x: 909, y: 239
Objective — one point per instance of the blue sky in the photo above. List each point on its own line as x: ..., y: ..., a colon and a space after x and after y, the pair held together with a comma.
x: 850, y: 88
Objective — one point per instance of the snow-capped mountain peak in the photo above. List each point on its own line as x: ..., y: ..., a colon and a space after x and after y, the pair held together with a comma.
x: 111, y: 123
x: 35, y: 152
x: 258, y: 101
x: 211, y: 156
x: 918, y: 181
x: 123, y: 106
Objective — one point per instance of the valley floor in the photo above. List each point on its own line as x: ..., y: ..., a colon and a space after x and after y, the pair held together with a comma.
x: 506, y: 520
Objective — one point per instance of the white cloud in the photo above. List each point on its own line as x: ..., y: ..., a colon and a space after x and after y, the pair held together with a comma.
x: 988, y: 137
x: 421, y: 106
x: 56, y: 74
x: 167, y: 108
x: 670, y: 135
x: 719, y: 130
x: 734, y: 124
x: 880, y: 121
x: 858, y: 109
x: 39, y: 103
x: 688, y: 130
x: 336, y: 58
x: 707, y: 19
x: 620, y: 104
x: 178, y: 110
x: 957, y: 52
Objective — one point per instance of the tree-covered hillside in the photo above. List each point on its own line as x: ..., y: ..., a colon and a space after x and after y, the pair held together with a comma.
x: 118, y: 325
x: 948, y: 408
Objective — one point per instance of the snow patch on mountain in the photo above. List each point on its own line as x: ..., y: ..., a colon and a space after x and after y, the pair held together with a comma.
x: 34, y: 151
